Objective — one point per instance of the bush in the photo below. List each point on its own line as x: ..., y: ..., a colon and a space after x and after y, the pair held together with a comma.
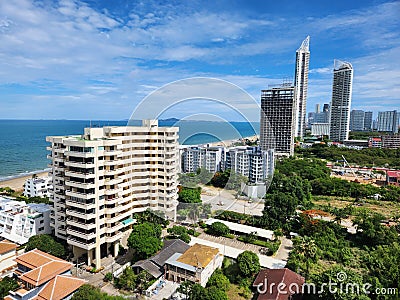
x: 218, y: 228
x: 219, y: 280
x: 108, y: 277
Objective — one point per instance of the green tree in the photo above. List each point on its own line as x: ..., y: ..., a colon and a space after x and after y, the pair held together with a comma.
x: 179, y: 232
x: 189, y: 195
x: 219, y: 280
x: 7, y: 284
x: 219, y: 228
x: 307, y: 250
x: 89, y: 292
x: 46, y: 243
x: 278, y: 209
x: 145, y: 239
x: 249, y: 263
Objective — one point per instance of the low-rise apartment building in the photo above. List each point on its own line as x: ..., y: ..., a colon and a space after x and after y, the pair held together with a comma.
x: 19, y: 221
x: 196, y: 264
x: 249, y: 161
x: 196, y: 157
x: 38, y: 187
x: 105, y: 176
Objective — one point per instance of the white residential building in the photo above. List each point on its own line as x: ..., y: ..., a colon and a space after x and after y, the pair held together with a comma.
x: 104, y: 176
x: 19, y: 221
x: 301, y: 85
x: 251, y: 162
x: 248, y: 161
x: 196, y: 157
x: 339, y: 124
x: 38, y: 187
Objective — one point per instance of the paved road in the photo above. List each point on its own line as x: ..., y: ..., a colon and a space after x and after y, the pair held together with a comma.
x: 221, y: 199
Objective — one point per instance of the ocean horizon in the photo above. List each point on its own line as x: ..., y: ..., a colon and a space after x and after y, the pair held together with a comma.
x: 23, y: 142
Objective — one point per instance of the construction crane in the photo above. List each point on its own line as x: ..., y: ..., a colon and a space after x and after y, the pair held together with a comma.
x: 351, y: 169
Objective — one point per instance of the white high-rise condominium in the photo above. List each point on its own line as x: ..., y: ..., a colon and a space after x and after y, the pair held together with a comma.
x: 339, y: 122
x: 277, y: 124
x: 103, y: 177
x: 301, y: 85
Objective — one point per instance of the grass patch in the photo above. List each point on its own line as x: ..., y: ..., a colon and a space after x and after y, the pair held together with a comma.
x: 235, y: 293
x: 273, y: 246
x: 387, y: 208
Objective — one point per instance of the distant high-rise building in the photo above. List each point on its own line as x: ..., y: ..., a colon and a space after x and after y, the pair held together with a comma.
x: 357, y: 120
x: 339, y: 122
x: 317, y: 108
x: 368, y: 121
x: 301, y: 85
x: 326, y: 107
x: 388, y: 121
x: 277, y: 126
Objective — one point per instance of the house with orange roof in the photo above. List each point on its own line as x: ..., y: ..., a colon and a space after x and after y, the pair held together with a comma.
x: 196, y: 264
x: 43, y: 277
x: 8, y: 253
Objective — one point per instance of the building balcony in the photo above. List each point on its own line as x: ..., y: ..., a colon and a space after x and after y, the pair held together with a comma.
x: 78, y: 243
x: 79, y: 195
x: 81, y: 215
x: 79, y: 164
x: 69, y: 173
x: 82, y: 205
x: 78, y: 184
x: 110, y: 192
x: 114, y: 228
x: 79, y: 154
x: 82, y: 235
x: 114, y: 237
x: 86, y: 226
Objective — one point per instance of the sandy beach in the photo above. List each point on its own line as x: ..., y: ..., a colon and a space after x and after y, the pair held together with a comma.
x: 17, y: 184
x: 229, y: 143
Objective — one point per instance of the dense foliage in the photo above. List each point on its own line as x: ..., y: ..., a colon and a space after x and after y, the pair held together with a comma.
x: 145, y: 239
x: 150, y: 216
x: 46, y: 243
x: 89, y: 292
x: 249, y: 263
x: 189, y: 195
x: 219, y: 280
x: 7, y: 284
x: 130, y: 281
x: 194, y: 291
x: 371, y: 157
x: 218, y: 229
x: 179, y: 232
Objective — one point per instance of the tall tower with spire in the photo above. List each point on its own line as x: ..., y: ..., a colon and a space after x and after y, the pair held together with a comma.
x: 301, y: 85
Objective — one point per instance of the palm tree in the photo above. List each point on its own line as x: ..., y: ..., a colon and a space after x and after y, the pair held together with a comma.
x: 307, y: 249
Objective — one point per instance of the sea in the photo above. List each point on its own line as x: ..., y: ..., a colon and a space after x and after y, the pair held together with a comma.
x: 23, y: 142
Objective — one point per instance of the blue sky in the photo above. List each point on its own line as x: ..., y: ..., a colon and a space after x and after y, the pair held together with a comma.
x: 98, y: 59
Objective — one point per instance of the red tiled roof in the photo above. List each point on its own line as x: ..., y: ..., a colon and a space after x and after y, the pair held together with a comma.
x: 36, y: 258
x: 44, y: 267
x: 59, y: 287
x: 6, y: 246
x: 274, y: 277
x: 44, y: 273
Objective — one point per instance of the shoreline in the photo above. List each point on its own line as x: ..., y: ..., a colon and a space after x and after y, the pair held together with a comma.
x: 17, y: 182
